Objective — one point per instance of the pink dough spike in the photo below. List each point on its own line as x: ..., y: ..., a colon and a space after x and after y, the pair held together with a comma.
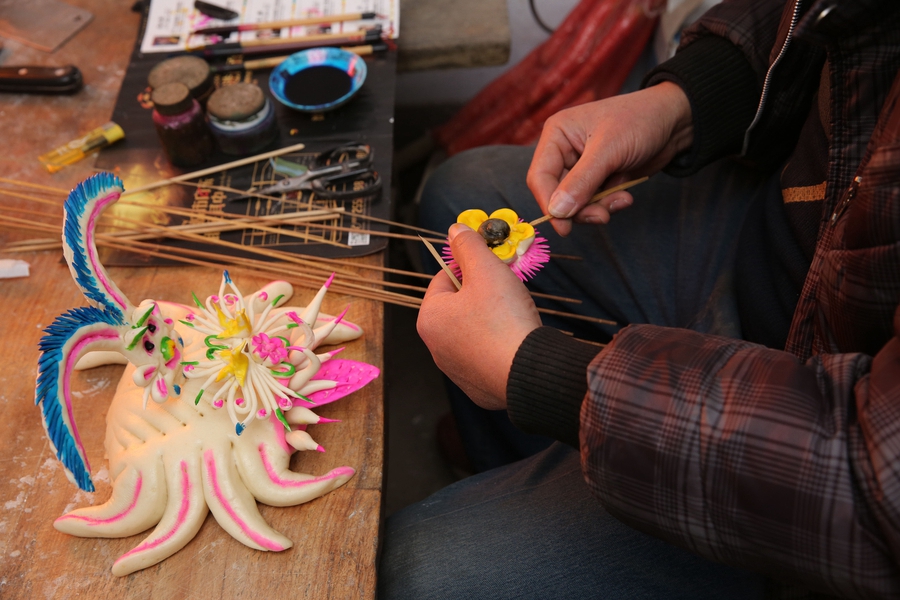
x: 349, y: 375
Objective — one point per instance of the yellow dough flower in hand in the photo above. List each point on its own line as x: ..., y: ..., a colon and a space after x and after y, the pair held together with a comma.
x: 510, y: 238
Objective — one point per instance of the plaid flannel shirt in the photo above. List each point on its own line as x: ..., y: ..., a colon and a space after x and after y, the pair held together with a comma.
x: 785, y: 462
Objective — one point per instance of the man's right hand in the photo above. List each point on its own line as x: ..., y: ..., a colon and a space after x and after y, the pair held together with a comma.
x: 605, y: 143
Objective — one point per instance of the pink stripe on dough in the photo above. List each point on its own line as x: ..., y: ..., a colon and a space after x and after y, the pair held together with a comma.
x: 278, y: 430
x: 179, y: 522
x: 338, y: 319
x: 91, y: 249
x: 71, y: 359
x: 114, y: 518
x: 276, y: 479
x: 214, y: 481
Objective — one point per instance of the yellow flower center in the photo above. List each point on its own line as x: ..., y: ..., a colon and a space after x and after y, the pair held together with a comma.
x: 236, y: 363
x: 233, y: 327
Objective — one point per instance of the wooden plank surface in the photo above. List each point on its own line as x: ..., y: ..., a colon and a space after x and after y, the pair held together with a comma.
x: 441, y: 34
x: 335, y: 537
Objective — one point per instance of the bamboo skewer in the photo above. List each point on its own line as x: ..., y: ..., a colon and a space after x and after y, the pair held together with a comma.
x: 310, y: 270
x: 141, y: 233
x: 441, y: 262
x: 180, y: 181
x: 255, y: 266
x: 211, y: 170
x: 37, y: 186
x: 597, y: 197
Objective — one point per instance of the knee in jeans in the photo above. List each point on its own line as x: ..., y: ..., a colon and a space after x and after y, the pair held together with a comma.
x: 476, y: 178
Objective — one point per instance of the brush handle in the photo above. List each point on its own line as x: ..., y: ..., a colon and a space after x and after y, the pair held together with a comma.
x: 226, y: 29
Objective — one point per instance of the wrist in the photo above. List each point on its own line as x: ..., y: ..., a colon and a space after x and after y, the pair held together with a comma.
x: 675, y: 103
x: 547, y: 384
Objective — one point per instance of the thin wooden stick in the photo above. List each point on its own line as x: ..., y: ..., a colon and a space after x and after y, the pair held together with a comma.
x: 597, y: 197
x: 123, y: 244
x: 565, y: 256
x: 441, y: 262
x: 54, y: 203
x: 37, y: 186
x: 560, y: 313
x: 556, y: 298
x: 211, y: 170
x: 256, y: 267
x: 181, y: 211
x: 340, y: 287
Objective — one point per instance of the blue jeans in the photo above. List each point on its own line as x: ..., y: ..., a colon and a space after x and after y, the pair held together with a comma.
x: 531, y: 528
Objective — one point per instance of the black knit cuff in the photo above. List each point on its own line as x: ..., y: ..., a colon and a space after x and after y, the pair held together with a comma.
x: 547, y: 384
x: 723, y: 92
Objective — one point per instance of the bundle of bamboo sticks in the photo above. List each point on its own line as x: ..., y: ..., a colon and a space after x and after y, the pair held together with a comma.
x: 148, y: 239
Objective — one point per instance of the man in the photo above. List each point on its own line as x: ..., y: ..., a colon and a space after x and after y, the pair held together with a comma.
x: 749, y: 412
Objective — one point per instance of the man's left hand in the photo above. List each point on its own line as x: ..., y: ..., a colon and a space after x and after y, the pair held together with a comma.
x: 474, y: 333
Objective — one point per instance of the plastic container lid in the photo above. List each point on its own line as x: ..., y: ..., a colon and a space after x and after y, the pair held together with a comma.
x: 237, y: 102
x: 172, y: 99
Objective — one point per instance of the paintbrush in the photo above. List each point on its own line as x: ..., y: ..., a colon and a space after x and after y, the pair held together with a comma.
x: 277, y: 45
x: 274, y: 61
x: 316, y: 37
x: 226, y: 29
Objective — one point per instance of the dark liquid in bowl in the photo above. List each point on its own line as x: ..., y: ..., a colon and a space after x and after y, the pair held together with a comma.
x: 317, y: 85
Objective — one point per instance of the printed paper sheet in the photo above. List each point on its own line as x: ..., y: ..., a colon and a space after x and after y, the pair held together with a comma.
x: 169, y: 22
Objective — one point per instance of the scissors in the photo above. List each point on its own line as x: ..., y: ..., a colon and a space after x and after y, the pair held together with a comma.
x: 339, y: 174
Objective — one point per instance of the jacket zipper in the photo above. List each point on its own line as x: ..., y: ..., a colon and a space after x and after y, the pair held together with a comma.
x: 795, y: 17
x: 851, y: 193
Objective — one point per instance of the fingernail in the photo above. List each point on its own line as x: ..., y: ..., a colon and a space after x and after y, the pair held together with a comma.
x: 562, y: 204
x: 456, y: 229
x: 619, y: 204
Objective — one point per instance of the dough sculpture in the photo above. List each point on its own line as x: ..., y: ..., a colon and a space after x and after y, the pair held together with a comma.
x: 511, y: 239
x: 232, y: 379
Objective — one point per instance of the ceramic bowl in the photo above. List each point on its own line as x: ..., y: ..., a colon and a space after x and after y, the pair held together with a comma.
x: 296, y: 64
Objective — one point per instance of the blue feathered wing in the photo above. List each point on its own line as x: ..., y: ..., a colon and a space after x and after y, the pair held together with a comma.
x: 82, y: 209
x: 67, y: 338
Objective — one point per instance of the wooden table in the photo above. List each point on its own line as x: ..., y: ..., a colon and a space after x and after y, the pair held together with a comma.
x: 335, y: 537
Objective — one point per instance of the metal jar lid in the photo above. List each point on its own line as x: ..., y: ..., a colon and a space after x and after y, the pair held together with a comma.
x: 172, y: 98
x: 192, y: 71
x: 236, y: 102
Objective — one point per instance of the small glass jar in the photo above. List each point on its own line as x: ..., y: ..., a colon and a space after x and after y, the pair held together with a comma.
x: 181, y: 125
x: 192, y: 71
x: 241, y: 119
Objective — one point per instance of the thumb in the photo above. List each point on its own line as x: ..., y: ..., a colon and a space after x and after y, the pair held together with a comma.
x: 577, y: 187
x: 471, y: 253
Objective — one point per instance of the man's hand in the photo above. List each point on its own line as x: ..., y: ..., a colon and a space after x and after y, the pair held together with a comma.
x: 606, y: 143
x: 474, y: 333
